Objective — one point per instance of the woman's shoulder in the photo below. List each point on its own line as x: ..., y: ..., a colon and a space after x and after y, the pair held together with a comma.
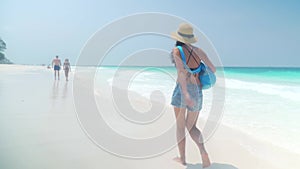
x: 175, y: 51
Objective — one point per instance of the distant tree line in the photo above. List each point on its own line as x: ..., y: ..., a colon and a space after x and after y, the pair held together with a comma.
x: 2, y: 55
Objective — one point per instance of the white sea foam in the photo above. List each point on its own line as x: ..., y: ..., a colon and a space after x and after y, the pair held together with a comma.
x: 284, y: 91
x: 251, y: 107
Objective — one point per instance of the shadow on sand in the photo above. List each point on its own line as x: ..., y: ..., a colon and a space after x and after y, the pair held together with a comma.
x: 213, y: 166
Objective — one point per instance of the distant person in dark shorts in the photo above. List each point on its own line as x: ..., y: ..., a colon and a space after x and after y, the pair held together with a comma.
x: 57, y: 64
x: 67, y: 68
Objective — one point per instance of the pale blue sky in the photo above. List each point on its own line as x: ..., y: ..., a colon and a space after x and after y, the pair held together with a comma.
x: 245, y: 33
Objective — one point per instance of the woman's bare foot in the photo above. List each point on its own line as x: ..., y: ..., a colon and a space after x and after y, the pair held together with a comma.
x: 179, y: 160
x: 205, y: 160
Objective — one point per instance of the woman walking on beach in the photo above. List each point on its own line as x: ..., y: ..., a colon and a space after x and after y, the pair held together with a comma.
x: 67, y: 68
x: 187, y: 96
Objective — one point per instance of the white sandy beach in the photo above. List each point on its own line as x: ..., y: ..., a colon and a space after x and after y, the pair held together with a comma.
x: 39, y: 129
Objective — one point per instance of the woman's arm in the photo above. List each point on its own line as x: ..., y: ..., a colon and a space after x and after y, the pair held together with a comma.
x: 205, y: 59
x: 181, y: 76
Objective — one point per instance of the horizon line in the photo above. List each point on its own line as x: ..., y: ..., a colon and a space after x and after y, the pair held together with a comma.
x: 231, y: 66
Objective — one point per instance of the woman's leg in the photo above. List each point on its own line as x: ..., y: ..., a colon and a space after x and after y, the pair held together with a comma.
x: 180, y: 122
x: 196, y: 135
x: 66, y: 74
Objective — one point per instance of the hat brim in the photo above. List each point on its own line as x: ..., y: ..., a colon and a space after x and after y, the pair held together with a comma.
x: 176, y: 36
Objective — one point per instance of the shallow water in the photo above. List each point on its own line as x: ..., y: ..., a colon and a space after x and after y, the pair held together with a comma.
x: 263, y: 102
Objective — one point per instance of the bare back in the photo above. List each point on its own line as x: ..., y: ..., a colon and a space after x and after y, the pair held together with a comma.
x: 192, y: 59
x: 194, y: 56
x: 56, y: 62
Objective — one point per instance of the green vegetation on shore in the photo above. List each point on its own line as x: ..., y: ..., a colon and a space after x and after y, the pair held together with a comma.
x: 3, y: 59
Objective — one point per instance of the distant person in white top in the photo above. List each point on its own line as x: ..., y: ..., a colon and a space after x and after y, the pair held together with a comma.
x: 57, y: 64
x: 67, y: 68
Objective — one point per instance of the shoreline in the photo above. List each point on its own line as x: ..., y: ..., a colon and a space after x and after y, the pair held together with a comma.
x: 138, y: 66
x: 43, y: 130
x: 260, y: 152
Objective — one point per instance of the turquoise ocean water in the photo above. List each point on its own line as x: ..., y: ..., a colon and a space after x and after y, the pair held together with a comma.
x: 262, y: 102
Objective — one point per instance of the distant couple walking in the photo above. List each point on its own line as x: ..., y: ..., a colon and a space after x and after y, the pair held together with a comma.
x: 57, y: 64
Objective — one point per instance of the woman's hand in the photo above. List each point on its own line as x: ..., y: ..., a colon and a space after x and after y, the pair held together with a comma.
x: 188, y: 101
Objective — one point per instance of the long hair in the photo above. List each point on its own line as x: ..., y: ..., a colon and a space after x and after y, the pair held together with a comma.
x: 178, y: 43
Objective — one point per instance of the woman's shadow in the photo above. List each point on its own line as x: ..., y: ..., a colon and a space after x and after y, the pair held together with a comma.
x: 213, y: 166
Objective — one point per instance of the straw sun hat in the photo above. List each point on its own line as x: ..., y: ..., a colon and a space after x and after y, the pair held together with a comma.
x: 184, y: 34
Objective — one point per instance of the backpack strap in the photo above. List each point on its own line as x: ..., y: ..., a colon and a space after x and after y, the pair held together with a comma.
x: 182, y: 54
